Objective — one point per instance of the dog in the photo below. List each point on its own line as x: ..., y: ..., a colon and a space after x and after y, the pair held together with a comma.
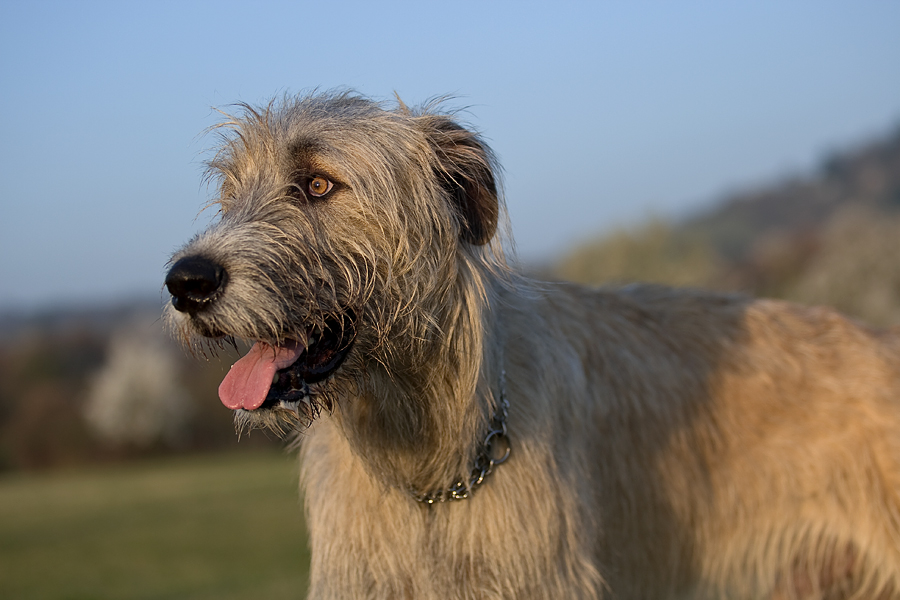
x: 468, y: 432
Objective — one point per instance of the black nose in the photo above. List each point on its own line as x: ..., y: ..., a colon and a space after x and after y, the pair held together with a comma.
x: 194, y: 282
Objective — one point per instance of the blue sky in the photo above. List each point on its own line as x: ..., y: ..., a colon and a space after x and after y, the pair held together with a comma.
x: 638, y: 108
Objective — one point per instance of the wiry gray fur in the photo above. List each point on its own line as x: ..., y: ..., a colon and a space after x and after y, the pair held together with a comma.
x: 665, y: 443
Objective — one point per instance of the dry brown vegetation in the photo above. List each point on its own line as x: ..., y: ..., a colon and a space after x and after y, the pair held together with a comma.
x: 832, y: 238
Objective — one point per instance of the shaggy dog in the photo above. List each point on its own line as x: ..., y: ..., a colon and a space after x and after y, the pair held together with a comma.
x: 655, y: 443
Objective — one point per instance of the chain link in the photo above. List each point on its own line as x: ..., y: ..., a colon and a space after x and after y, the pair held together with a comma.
x: 493, y: 451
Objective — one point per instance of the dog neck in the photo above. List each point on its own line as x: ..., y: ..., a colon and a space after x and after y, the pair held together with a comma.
x: 493, y: 451
x: 429, y: 417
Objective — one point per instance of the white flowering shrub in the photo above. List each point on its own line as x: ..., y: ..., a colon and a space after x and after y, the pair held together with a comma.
x: 136, y: 398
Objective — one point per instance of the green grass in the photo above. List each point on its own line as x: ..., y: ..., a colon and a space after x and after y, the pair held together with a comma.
x: 223, y: 527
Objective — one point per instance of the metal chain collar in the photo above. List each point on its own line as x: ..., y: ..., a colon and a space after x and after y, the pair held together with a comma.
x: 493, y: 451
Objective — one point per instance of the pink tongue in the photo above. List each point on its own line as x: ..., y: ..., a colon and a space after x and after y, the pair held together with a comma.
x: 247, y: 383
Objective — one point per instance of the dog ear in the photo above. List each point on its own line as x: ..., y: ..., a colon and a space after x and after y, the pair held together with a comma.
x: 465, y: 168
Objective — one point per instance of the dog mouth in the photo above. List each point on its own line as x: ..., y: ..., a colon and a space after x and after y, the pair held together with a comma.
x: 280, y: 377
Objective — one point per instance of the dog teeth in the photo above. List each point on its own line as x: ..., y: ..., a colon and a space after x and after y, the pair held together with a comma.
x: 302, y: 409
x: 291, y: 406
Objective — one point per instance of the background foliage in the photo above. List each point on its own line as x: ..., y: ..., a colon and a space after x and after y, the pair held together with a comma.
x: 829, y: 238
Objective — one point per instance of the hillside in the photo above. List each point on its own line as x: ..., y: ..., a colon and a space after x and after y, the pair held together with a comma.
x: 866, y: 179
x: 831, y: 237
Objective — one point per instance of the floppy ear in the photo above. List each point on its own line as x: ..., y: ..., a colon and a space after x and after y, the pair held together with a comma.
x: 465, y: 168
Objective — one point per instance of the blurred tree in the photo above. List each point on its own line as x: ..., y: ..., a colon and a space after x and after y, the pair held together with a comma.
x: 857, y: 268
x: 655, y: 252
x: 136, y: 398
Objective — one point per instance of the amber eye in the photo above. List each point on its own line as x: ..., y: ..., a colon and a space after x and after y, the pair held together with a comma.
x: 319, y: 186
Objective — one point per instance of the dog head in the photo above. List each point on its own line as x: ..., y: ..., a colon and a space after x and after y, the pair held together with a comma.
x: 344, y: 233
